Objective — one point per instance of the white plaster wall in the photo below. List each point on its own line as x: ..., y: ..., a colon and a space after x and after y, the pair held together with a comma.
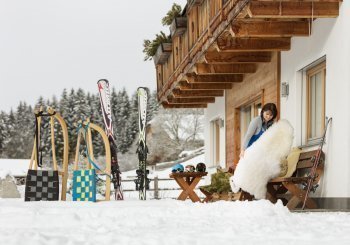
x: 214, y: 111
x: 330, y: 38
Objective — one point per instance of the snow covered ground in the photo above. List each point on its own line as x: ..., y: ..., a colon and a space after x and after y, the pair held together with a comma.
x: 166, y: 222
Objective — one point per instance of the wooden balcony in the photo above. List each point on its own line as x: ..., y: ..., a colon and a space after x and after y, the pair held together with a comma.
x: 225, y: 39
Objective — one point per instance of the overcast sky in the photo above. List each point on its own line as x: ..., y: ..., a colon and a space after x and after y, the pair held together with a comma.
x: 49, y: 45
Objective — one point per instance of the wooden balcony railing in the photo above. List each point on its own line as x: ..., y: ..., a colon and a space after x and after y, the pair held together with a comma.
x: 202, y: 17
x: 230, y: 31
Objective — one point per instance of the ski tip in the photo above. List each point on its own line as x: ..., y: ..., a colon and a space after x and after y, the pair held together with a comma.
x: 102, y: 80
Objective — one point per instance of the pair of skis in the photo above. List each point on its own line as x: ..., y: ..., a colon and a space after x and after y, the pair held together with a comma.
x: 310, y: 185
x: 142, y: 182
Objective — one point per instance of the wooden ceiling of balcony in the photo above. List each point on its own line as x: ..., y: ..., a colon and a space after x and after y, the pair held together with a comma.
x: 260, y: 28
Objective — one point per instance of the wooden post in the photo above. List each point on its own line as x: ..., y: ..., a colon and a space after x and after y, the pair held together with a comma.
x: 156, y: 190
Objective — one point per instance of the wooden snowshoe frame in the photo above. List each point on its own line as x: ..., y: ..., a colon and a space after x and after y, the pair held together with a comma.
x: 34, y: 158
x: 88, y: 139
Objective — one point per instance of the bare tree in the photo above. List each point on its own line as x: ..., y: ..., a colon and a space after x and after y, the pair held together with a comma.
x: 184, y: 126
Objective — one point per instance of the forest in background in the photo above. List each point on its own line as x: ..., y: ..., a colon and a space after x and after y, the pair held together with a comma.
x: 170, y: 131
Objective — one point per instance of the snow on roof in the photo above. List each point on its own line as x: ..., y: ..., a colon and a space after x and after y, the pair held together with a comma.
x: 13, y: 167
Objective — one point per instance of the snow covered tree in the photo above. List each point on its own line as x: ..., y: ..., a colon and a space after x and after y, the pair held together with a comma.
x: 67, y: 105
x: 81, y: 105
x: 184, y: 126
x: 19, y: 127
x: 25, y: 127
x: 133, y: 126
x: 10, y: 142
x: 152, y: 104
x: 3, y: 133
x: 96, y: 118
x: 121, y: 116
x: 58, y: 134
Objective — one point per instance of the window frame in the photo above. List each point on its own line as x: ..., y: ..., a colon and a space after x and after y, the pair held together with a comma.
x: 215, y: 141
x: 254, y: 112
x: 309, y: 73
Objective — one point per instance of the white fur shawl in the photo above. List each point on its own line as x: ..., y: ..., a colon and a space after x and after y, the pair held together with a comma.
x: 261, y: 161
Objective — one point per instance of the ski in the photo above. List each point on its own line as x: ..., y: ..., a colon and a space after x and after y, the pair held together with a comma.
x: 103, y: 89
x: 142, y: 182
x: 310, y: 186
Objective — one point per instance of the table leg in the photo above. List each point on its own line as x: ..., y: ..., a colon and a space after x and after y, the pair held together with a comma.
x: 188, y: 189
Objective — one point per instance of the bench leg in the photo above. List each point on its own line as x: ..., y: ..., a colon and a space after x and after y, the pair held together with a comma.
x: 208, y: 195
x: 298, y: 196
x: 271, y: 193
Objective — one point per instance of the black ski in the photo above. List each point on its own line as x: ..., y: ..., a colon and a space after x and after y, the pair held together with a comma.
x: 103, y: 89
x: 142, y: 182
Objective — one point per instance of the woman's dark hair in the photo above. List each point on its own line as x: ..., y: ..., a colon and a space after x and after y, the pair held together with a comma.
x: 269, y: 107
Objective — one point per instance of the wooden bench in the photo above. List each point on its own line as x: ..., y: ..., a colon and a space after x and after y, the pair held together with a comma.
x: 292, y: 190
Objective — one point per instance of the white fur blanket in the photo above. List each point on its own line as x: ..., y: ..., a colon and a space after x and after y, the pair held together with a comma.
x: 261, y: 161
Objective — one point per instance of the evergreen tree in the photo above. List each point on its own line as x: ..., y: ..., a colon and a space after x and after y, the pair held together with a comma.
x: 152, y: 105
x: 10, y: 142
x: 96, y: 118
x: 133, y: 123
x: 45, y: 137
x: 58, y: 133
x: 20, y: 132
x: 3, y: 133
x: 17, y: 128
x: 122, y: 116
x: 114, y: 110
x: 67, y: 105
x: 81, y: 106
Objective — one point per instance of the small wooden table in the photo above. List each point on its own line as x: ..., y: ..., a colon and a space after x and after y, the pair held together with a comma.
x: 188, y: 181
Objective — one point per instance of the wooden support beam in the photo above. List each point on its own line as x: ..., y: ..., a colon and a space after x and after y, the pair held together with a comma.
x: 200, y: 100
x: 177, y: 93
x: 214, y: 78
x: 254, y: 44
x: 174, y: 106
x: 184, y: 85
x: 294, y: 9
x: 269, y: 28
x: 213, y: 57
x: 201, y: 68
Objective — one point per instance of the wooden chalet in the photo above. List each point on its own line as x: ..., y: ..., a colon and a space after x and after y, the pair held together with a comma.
x: 232, y: 48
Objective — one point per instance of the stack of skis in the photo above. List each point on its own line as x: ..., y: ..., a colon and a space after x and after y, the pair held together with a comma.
x: 142, y: 182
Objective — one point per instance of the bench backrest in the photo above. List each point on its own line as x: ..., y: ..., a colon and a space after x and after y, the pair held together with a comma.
x: 306, y: 161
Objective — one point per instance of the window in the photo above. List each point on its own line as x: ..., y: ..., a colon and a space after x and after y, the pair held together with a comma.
x: 315, y: 92
x: 248, y: 112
